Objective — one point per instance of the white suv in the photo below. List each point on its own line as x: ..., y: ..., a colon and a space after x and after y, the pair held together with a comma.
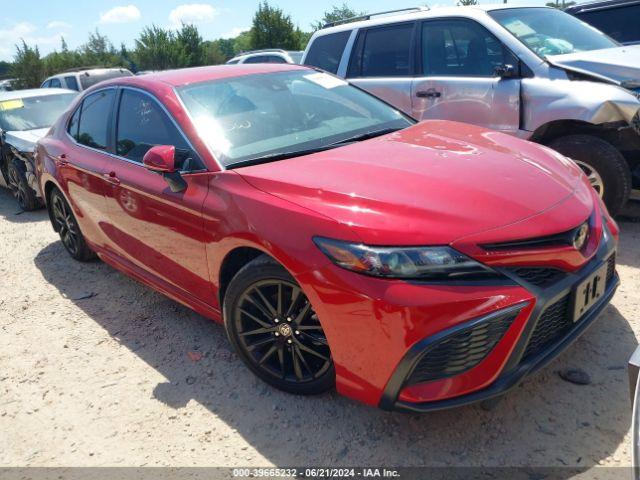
x: 81, y: 79
x: 533, y: 72
x: 272, y: 55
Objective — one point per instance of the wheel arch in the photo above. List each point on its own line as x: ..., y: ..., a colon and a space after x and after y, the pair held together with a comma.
x: 233, y: 261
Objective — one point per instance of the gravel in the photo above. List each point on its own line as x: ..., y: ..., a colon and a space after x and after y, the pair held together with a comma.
x: 96, y: 369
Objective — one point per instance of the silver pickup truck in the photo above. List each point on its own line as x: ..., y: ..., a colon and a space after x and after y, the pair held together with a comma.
x: 534, y: 72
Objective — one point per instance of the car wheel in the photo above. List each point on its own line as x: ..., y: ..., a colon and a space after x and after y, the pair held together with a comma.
x: 604, y: 165
x: 65, y: 223
x: 17, y: 181
x: 273, y: 328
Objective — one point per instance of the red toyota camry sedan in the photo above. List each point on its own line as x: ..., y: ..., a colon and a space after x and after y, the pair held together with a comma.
x: 413, y: 266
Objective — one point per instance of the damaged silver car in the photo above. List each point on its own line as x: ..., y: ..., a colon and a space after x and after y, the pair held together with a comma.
x: 534, y: 72
x: 25, y: 117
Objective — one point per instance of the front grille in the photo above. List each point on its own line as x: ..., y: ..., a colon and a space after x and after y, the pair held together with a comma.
x: 460, y: 351
x: 557, y: 320
x: 540, y: 277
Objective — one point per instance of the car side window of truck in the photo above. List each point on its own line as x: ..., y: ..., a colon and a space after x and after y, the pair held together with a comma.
x: 326, y: 51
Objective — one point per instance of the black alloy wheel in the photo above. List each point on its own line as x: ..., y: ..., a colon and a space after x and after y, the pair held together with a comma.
x: 65, y: 223
x: 275, y: 331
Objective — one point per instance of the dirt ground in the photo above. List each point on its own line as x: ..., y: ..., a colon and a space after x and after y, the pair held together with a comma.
x: 96, y: 369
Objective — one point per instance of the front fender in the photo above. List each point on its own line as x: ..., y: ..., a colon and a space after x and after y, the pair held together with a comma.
x: 596, y: 103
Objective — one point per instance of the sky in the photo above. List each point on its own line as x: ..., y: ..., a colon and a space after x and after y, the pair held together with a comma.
x: 43, y: 22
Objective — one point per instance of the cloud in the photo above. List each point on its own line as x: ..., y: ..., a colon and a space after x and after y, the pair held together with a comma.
x: 58, y: 25
x: 234, y: 32
x: 12, y: 36
x: 192, y: 14
x: 129, y: 13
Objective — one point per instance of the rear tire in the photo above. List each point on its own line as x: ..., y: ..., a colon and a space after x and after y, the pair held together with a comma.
x: 602, y: 163
x: 64, y: 222
x: 274, y: 330
x: 17, y: 181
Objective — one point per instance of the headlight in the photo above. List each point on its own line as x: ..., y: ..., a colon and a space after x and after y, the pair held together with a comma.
x: 427, y: 263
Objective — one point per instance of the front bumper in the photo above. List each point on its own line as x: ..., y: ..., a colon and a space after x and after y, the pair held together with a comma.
x: 521, y: 362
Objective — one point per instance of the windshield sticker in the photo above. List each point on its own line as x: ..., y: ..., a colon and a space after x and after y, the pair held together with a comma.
x: 519, y: 28
x: 326, y: 81
x: 11, y: 104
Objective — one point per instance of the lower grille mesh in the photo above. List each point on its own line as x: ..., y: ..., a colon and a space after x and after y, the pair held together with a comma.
x: 460, y: 351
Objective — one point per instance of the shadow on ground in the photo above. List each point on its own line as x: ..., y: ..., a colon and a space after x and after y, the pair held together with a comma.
x: 544, y: 422
x: 12, y: 212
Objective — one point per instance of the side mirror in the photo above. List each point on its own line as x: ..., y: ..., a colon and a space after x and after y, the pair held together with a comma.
x: 161, y: 159
x: 505, y: 71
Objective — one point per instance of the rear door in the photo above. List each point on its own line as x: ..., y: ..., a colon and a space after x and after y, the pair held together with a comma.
x: 383, y: 63
x: 457, y: 62
x: 156, y: 230
x: 81, y: 163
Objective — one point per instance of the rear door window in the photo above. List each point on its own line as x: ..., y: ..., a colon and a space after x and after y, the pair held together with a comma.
x: 142, y: 124
x: 94, y: 119
x: 384, y: 52
x: 55, y: 83
x: 326, y: 51
x: 257, y: 59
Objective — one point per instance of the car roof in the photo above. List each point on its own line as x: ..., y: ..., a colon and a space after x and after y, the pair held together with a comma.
x: 599, y: 5
x: 33, y: 92
x: 470, y: 11
x: 94, y: 71
x: 185, y: 76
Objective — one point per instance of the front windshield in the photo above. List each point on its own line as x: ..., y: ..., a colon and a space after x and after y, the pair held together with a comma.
x: 547, y: 31
x: 33, y: 112
x: 244, y: 119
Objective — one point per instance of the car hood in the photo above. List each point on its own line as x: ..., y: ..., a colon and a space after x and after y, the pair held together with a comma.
x: 620, y: 64
x: 25, y: 140
x: 431, y: 183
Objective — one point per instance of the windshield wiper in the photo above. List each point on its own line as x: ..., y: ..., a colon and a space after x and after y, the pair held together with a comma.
x: 272, y: 157
x: 365, y: 136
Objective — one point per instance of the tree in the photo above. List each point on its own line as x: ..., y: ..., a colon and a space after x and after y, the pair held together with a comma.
x: 99, y: 51
x: 5, y: 67
x: 467, y: 3
x: 273, y: 29
x: 156, y: 49
x: 189, y: 46
x: 213, y: 53
x: 242, y: 43
x: 336, y: 14
x: 28, y: 67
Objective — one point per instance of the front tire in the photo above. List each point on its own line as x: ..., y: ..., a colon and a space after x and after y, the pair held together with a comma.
x: 604, y: 165
x: 273, y: 328
x: 17, y: 181
x: 65, y: 223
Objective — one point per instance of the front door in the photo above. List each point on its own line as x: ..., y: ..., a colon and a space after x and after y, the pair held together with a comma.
x: 458, y: 58
x: 158, y: 231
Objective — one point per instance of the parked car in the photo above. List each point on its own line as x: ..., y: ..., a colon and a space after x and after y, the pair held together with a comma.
x: 270, y: 55
x: 417, y: 266
x: 6, y: 85
x: 80, y: 79
x: 25, y: 116
x: 616, y: 18
x: 634, y: 372
x: 535, y: 73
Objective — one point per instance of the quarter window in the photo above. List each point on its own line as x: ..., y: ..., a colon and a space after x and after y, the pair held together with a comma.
x: 142, y: 124
x: 55, y: 83
x: 94, y: 119
x: 385, y: 52
x: 326, y: 51
x: 72, y: 83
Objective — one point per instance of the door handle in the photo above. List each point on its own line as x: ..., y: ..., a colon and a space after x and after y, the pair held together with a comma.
x: 112, y: 178
x: 431, y: 93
